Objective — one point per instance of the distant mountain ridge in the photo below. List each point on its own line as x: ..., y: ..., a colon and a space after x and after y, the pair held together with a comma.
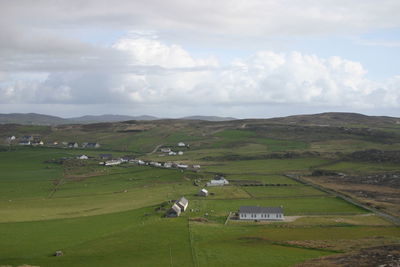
x: 208, y: 118
x: 42, y: 119
x: 111, y: 118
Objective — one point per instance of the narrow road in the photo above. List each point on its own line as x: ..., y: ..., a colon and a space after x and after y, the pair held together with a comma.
x: 386, y: 216
x: 155, y: 149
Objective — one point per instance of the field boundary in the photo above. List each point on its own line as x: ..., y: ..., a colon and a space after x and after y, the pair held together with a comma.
x: 393, y: 219
x: 193, y: 250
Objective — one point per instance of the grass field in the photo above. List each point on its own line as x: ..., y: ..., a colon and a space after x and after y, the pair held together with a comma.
x: 114, y: 216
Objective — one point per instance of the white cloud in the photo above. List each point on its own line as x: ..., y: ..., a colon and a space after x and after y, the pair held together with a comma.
x: 171, y: 77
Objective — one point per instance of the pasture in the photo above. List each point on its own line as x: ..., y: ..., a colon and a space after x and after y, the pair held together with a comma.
x: 114, y: 216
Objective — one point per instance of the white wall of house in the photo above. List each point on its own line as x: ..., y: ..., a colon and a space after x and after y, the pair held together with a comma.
x: 261, y: 216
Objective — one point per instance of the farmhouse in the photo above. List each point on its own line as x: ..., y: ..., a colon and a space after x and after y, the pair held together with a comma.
x: 167, y: 165
x: 182, y: 166
x: 105, y: 156
x: 220, y: 181
x: 182, y: 203
x: 82, y: 157
x: 181, y: 144
x: 25, y: 143
x: 180, y: 153
x: 172, y: 153
x: 73, y: 145
x: 90, y: 145
x: 165, y: 149
x: 203, y: 192
x: 174, y: 211
x: 112, y: 162
x: 261, y: 213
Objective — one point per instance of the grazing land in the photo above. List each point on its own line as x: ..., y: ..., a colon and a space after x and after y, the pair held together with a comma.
x: 101, y: 215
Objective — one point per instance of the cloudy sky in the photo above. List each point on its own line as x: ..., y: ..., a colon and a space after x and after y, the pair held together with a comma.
x: 241, y: 58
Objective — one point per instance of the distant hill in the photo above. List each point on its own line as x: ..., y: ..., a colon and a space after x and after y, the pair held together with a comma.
x: 208, y: 118
x: 31, y: 119
x: 41, y: 119
x: 322, y: 119
x: 110, y: 118
x: 337, y: 119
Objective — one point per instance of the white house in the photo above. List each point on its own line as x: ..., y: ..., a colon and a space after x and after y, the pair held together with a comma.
x: 174, y: 211
x: 220, y: 182
x: 172, y: 153
x: 73, y: 145
x: 181, y: 144
x: 165, y: 149
x: 167, y: 165
x: 182, y: 203
x: 261, y: 213
x: 180, y: 153
x: 182, y: 166
x: 82, y: 157
x: 203, y: 192
x: 25, y: 143
x: 112, y: 162
x: 196, y: 166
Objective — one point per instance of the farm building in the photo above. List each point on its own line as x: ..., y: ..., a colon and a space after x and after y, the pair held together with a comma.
x: 174, y: 211
x: 182, y: 203
x: 165, y: 149
x: 221, y: 181
x: 82, y: 157
x: 90, y: 145
x: 261, y: 213
x: 73, y: 145
x: 203, y: 192
x: 182, y: 166
x: 167, y: 165
x: 181, y: 144
x: 112, y: 162
x: 180, y: 153
x: 25, y: 143
x: 105, y: 156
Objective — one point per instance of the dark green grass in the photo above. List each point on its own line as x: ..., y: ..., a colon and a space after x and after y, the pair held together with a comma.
x: 283, y: 191
x: 270, y: 166
x: 140, y: 238
x: 292, y: 206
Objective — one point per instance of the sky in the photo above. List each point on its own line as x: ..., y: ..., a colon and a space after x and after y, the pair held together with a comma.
x: 238, y: 58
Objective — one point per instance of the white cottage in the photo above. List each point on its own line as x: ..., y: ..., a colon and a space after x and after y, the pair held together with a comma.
x: 220, y: 182
x: 182, y: 203
x: 261, y: 213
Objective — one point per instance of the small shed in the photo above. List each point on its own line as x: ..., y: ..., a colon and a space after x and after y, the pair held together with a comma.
x: 203, y: 192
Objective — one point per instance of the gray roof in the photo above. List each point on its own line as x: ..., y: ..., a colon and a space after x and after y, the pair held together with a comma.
x: 183, y: 201
x: 256, y: 209
x: 176, y: 209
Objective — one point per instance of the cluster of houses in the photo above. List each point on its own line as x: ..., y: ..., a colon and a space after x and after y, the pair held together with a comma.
x: 168, y: 151
x: 178, y: 207
x: 29, y: 140
x: 110, y: 161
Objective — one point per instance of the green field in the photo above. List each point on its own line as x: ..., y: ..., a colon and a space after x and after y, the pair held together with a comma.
x: 114, y: 216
